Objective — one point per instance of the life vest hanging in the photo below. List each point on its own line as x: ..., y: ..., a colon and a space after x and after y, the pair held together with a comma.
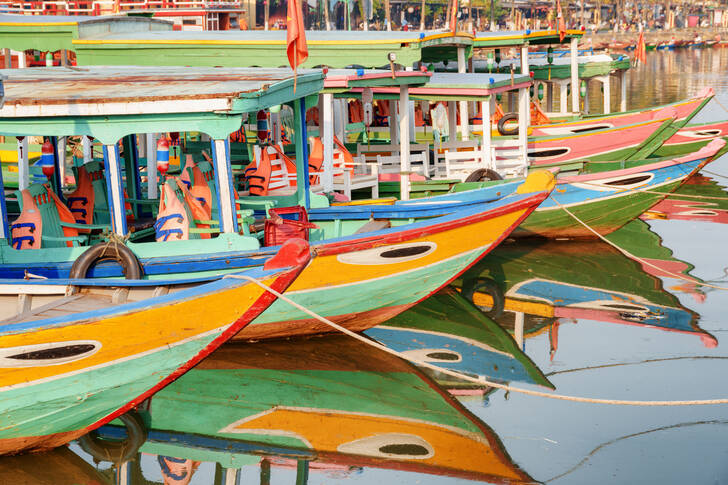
x: 198, y: 186
x: 82, y: 201
x: 498, y: 114
x: 262, y: 126
x: 259, y: 178
x: 356, y: 111
x: 27, y: 229
x: 172, y: 220
x: 315, y: 159
x: 419, y: 116
x: 196, y: 208
x: 538, y: 117
x: 381, y: 112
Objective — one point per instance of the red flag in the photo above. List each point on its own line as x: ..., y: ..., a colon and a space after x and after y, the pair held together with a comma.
x: 560, y: 23
x: 295, y: 38
x: 454, y: 16
x: 640, y: 53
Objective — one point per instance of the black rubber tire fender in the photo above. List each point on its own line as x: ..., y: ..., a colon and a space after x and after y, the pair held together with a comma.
x: 117, y: 451
x: 483, y: 174
x: 105, y: 252
x: 488, y: 286
x: 502, y: 124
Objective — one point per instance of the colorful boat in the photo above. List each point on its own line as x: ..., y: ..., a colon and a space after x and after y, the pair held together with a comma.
x: 692, y: 137
x: 364, y: 267
x: 312, y: 401
x: 446, y: 330
x: 79, y: 361
x: 700, y: 198
x: 609, y: 194
x: 539, y: 280
x: 685, y: 110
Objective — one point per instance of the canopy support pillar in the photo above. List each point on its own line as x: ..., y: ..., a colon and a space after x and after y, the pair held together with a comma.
x: 393, y: 135
x: 404, y: 146
x: 302, y: 179
x: 151, y: 141
x: 486, y: 144
x: 224, y: 184
x: 452, y: 121
x: 575, y: 75
x: 525, y: 70
x: 131, y: 166
x: 87, y: 149
x: 623, y: 90
x: 112, y: 171
x: 327, y: 138
x: 23, y: 177
x: 549, y: 96
x: 523, y: 125
x: 464, y: 115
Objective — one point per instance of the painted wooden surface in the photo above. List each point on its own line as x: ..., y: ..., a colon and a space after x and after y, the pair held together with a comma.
x: 315, y: 400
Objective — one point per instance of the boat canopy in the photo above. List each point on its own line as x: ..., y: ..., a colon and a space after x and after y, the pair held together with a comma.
x: 522, y: 37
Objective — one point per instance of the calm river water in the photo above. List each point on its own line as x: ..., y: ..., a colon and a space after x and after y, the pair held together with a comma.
x: 589, y: 322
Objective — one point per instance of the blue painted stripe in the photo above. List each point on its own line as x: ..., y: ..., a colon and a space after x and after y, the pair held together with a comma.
x: 177, y: 296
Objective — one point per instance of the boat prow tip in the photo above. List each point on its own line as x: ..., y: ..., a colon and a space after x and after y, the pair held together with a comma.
x: 537, y: 181
x: 294, y: 252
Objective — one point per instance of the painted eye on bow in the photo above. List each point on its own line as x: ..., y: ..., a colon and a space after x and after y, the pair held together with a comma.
x: 53, y: 353
x: 396, y: 253
x: 434, y: 355
x: 390, y: 445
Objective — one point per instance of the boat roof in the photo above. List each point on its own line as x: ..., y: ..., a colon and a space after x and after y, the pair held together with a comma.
x: 521, y: 37
x: 335, y: 49
x: 50, y: 33
x: 337, y: 80
x: 108, y: 102
x: 445, y: 86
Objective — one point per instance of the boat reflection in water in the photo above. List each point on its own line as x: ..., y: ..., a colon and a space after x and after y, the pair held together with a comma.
x: 533, y: 286
x: 700, y: 198
x: 329, y: 403
x: 448, y: 331
x: 60, y: 466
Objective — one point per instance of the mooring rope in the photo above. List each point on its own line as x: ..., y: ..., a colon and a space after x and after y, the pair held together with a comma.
x: 632, y: 256
x: 465, y: 377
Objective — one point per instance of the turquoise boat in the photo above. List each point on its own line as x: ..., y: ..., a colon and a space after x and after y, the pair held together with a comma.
x: 309, y: 404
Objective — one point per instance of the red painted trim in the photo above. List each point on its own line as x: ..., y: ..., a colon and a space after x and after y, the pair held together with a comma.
x: 340, y: 247
x: 282, y: 282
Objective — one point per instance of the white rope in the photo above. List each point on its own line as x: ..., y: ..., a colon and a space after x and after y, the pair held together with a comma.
x: 632, y: 256
x: 481, y: 381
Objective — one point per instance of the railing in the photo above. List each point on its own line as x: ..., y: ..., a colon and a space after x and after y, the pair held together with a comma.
x: 98, y: 7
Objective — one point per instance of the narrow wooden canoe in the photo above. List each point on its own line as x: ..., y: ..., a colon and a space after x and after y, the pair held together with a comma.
x: 78, y: 362
x: 330, y: 401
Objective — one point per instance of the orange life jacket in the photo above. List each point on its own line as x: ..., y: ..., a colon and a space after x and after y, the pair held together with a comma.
x: 356, y: 111
x: 82, y: 201
x: 538, y: 117
x: 258, y: 174
x: 172, y: 220
x: 315, y: 159
x: 419, y: 116
x: 498, y: 114
x: 198, y: 186
x: 199, y: 212
x: 26, y: 230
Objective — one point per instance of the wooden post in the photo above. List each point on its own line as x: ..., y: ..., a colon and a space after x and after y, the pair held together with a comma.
x: 8, y: 58
x: 623, y: 91
x: 388, y: 14
x: 518, y: 330
x: 452, y: 119
x: 224, y: 184
x: 61, y: 156
x: 112, y: 172
x: 464, y: 115
x: 563, y: 101
x: 422, y: 15
x: 522, y: 124
x: 607, y: 94
x: 302, y: 179
x: 23, y: 170
x: 151, y: 141
x: 586, y: 96
x: 326, y: 14
x: 266, y: 13
x: 574, y: 75
x: 526, y: 71
x: 549, y: 96
x: 404, y: 145
x: 485, y: 146
x: 87, y: 147
x: 393, y: 135
x: 327, y: 138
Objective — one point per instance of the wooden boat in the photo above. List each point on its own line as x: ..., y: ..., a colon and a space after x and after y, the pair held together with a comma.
x: 685, y: 203
x: 692, y: 137
x: 446, y: 330
x: 311, y: 401
x: 685, y: 110
x: 607, y: 195
x: 539, y: 279
x: 60, y: 466
x: 633, y: 141
x: 78, y: 362
x: 365, y: 266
